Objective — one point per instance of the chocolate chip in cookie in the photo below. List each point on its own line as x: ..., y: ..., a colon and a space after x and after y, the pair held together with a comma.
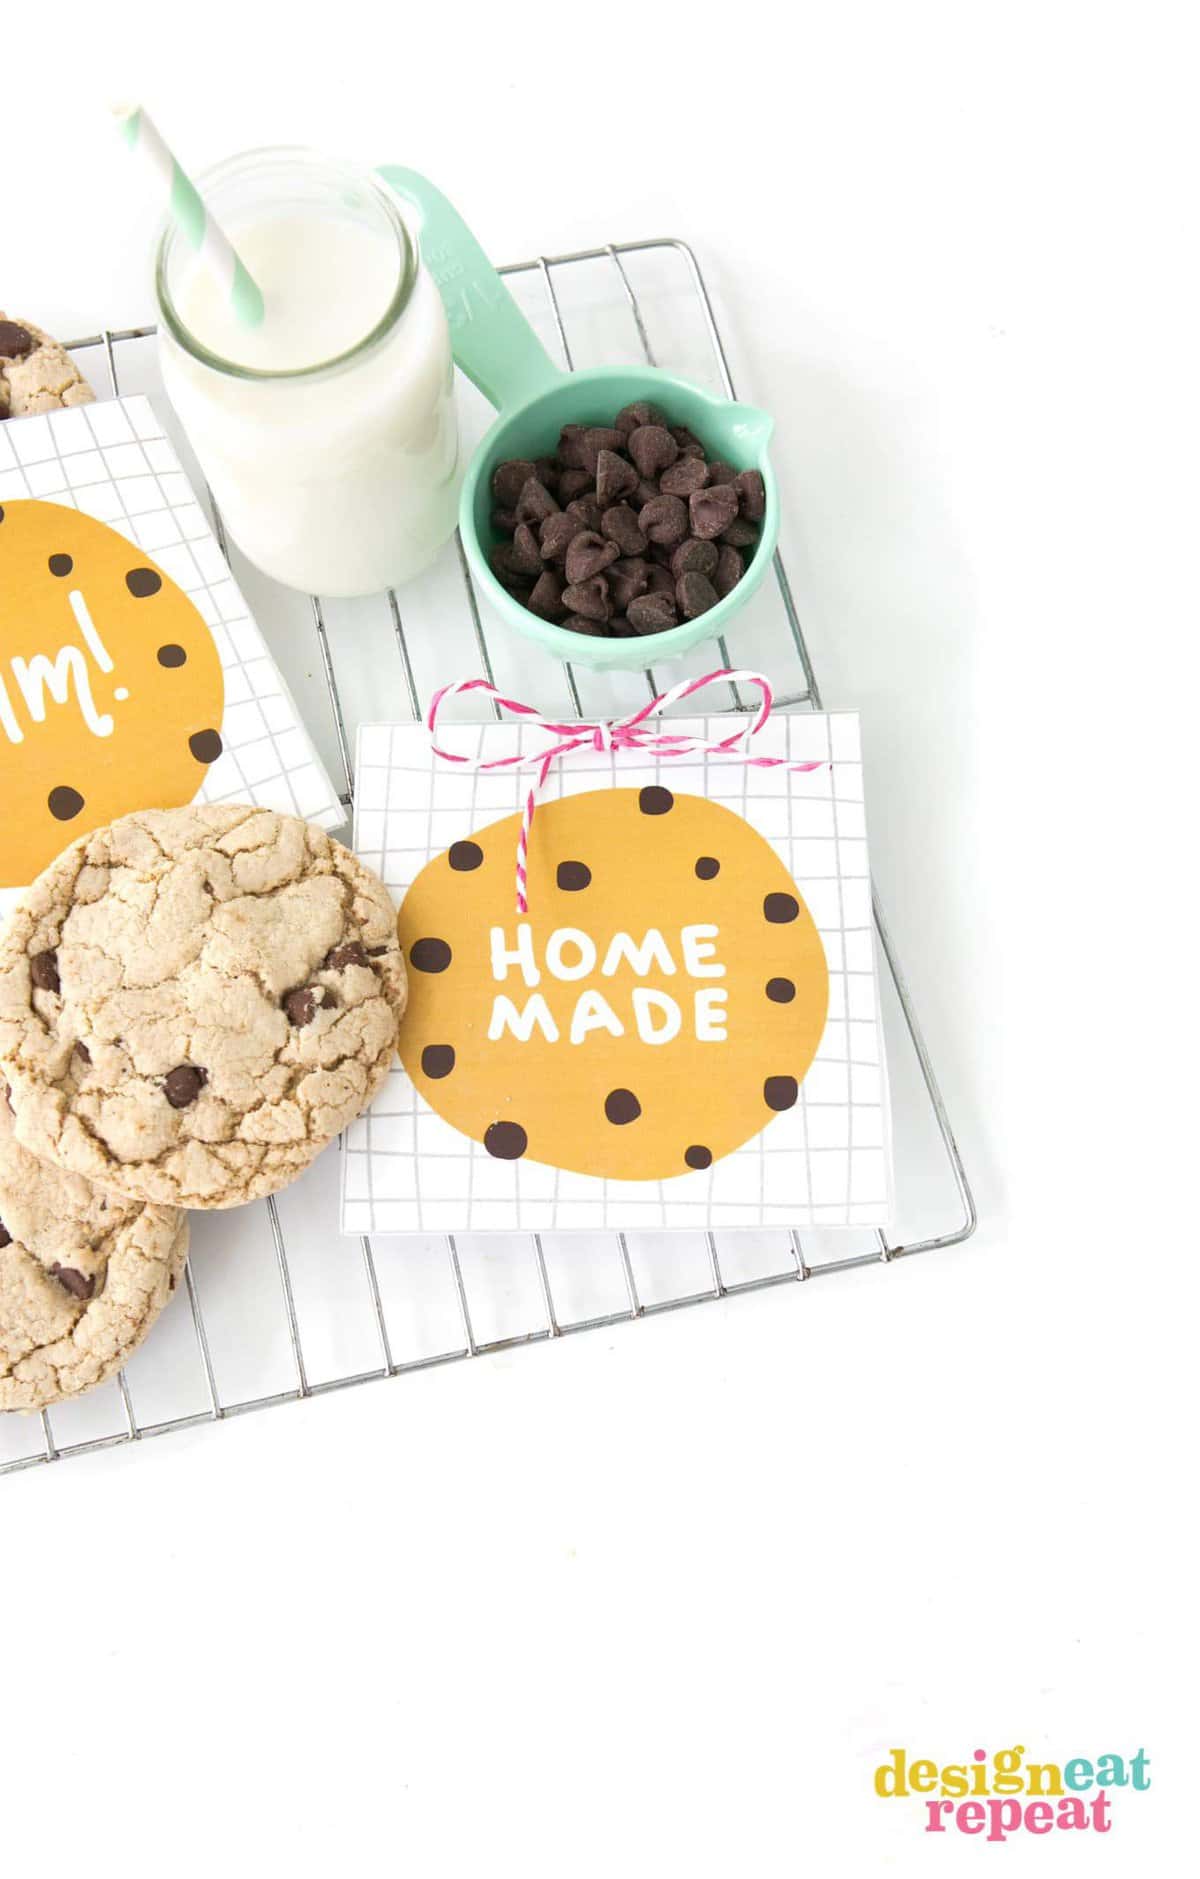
x: 301, y: 1005
x: 354, y: 953
x: 76, y: 1283
x: 183, y: 1084
x: 43, y: 970
x: 15, y: 341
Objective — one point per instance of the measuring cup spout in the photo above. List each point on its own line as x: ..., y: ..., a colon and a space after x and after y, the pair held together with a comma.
x: 493, y: 341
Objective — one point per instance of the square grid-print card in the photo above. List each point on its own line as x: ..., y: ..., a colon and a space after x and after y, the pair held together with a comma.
x: 132, y: 674
x: 684, y: 1028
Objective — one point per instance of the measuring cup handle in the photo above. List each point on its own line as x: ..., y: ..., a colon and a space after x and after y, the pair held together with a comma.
x: 493, y: 342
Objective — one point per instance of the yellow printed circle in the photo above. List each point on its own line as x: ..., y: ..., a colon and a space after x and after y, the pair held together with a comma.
x: 683, y: 986
x: 111, y: 688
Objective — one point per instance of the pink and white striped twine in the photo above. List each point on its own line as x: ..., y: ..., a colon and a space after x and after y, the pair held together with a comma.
x: 632, y: 733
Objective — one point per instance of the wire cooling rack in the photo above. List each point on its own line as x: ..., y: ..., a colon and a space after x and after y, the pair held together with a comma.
x: 279, y: 1305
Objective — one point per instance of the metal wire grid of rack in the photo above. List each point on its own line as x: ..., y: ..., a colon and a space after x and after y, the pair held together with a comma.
x: 479, y: 1287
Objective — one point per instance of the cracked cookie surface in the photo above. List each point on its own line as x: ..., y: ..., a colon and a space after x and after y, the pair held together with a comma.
x: 194, y: 1002
x: 83, y: 1275
x: 36, y: 373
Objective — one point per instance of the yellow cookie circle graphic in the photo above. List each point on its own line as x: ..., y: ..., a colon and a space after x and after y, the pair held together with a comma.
x: 658, y: 1006
x: 111, y: 689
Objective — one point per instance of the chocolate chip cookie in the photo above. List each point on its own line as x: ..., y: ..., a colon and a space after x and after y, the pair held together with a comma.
x: 193, y: 1002
x: 83, y: 1275
x: 36, y: 373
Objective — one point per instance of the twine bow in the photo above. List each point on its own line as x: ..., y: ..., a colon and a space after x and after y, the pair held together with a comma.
x: 637, y: 733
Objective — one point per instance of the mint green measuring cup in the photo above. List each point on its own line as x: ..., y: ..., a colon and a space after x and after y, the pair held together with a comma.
x: 501, y: 354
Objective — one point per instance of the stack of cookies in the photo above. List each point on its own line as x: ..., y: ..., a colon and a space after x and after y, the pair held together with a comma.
x: 193, y: 1003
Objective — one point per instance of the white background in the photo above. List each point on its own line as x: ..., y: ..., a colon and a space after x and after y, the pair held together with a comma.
x: 658, y: 1601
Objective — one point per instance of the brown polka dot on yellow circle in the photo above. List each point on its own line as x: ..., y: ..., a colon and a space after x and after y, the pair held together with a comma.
x: 657, y: 1035
x: 111, y: 688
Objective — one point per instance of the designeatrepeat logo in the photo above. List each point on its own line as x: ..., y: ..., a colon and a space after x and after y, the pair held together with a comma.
x: 996, y: 1796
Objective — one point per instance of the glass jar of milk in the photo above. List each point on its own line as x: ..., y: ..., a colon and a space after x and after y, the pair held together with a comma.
x: 328, y: 433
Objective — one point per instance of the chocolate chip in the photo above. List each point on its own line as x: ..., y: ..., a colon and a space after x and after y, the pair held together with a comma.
x: 353, y: 953
x: 590, y: 629
x: 557, y: 533
x: 465, y: 857
x: 740, y: 534
x: 571, y: 452
x: 546, y: 471
x: 595, y: 439
x: 622, y: 1106
x: 572, y: 876
x: 694, y: 557
x: 572, y: 483
x: 589, y: 554
x: 589, y: 598
x: 645, y: 492
x: 60, y: 565
x: 752, y: 494
x: 626, y: 580
x: 780, y: 991
x: 15, y: 341
x: 509, y: 479
x: 729, y: 570
x: 546, y: 600
x: 142, y: 582
x: 43, y: 970
x: 721, y: 472
x: 526, y: 551
x: 780, y: 1092
x: 437, y: 1060
x: 505, y: 520
x: 684, y: 477
x: 632, y: 417
x: 429, y: 955
x: 620, y: 525
x: 685, y: 438
x: 171, y: 656
x: 653, y: 449
x: 619, y: 628
x: 205, y: 746
x: 707, y: 868
x: 660, y: 580
x: 301, y: 1008
x: 652, y: 613
x: 82, y: 1052
x: 781, y: 909
x: 64, y: 803
x: 654, y: 800
x: 712, y: 510
x: 183, y: 1084
x: 587, y: 512
x: 698, y: 1156
x: 503, y: 564
x: 695, y: 594
x: 614, y: 478
x: 507, y: 1141
x: 76, y: 1283
x: 535, y: 501
x: 5, y: 1235
x: 665, y: 520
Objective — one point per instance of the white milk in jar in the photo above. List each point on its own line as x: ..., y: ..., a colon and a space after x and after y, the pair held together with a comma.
x: 328, y: 433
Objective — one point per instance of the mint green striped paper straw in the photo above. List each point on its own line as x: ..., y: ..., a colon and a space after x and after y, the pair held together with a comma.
x: 185, y: 205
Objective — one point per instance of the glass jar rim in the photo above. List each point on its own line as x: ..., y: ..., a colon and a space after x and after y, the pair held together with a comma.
x: 232, y: 368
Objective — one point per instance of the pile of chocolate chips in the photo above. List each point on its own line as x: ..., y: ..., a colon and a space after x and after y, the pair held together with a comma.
x: 625, y: 530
